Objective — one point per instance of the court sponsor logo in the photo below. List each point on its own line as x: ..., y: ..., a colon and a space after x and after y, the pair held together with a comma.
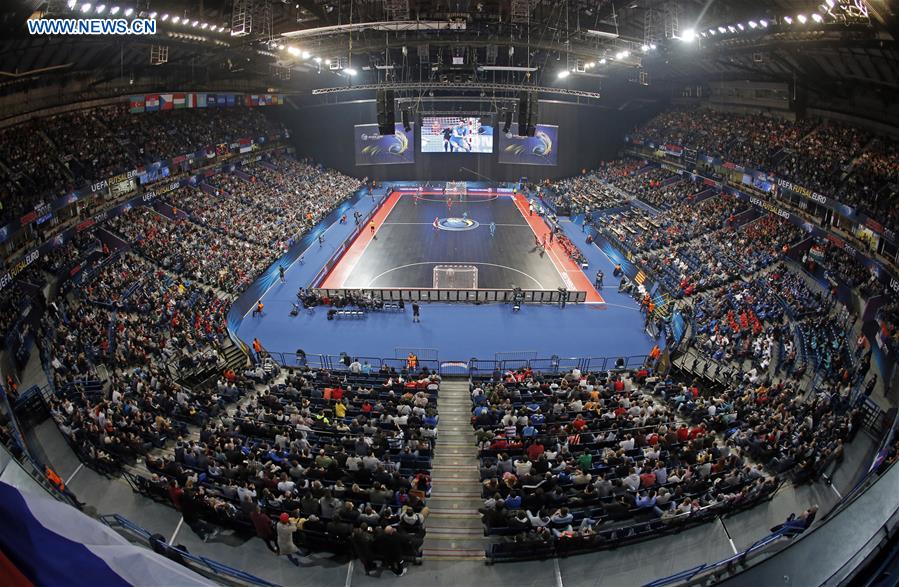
x: 457, y: 224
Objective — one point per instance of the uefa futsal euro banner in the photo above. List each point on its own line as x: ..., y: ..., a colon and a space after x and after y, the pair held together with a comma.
x: 373, y: 148
x: 540, y: 149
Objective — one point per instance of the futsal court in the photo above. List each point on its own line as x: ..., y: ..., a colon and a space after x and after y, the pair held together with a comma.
x: 432, y: 240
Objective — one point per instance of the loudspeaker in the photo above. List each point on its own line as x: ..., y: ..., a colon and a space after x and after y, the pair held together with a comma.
x: 386, y: 112
x: 523, y: 104
x: 528, y: 108
x: 406, y: 124
x: 507, y: 122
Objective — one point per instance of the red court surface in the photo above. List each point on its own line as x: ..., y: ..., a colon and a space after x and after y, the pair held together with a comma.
x: 564, y: 264
x: 354, y: 252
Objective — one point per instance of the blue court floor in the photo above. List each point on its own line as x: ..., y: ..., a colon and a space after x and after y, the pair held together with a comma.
x: 457, y: 332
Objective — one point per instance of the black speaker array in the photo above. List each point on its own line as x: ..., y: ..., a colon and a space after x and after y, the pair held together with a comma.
x: 407, y: 125
x: 386, y: 112
x: 507, y: 122
x: 528, y: 111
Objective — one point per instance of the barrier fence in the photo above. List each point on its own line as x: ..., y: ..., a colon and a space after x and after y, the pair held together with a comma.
x: 472, y: 367
x: 505, y: 296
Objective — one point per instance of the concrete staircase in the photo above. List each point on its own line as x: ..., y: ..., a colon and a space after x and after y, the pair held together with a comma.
x: 454, y: 529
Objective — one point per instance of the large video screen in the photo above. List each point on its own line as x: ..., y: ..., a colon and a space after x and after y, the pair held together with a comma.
x: 540, y: 149
x: 373, y: 148
x: 455, y: 134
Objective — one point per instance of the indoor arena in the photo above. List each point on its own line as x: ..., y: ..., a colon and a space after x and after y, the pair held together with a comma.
x: 583, y: 293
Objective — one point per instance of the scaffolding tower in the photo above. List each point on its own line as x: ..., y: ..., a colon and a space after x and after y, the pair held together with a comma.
x: 397, y: 9
x: 521, y: 11
x: 672, y: 26
x: 252, y: 18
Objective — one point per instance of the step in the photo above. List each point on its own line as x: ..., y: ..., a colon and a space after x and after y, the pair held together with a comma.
x: 453, y: 553
x: 457, y: 480
x: 455, y: 525
x: 454, y: 543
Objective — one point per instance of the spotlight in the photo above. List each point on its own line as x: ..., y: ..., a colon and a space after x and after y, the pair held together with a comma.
x: 114, y: 10
x: 645, y: 48
x: 165, y: 17
x: 101, y: 8
x: 688, y: 36
x: 195, y: 23
x: 305, y: 55
x: 129, y: 11
x: 652, y: 46
x: 802, y: 19
x: 731, y: 28
x: 764, y: 23
x: 753, y: 24
x: 293, y: 50
x: 350, y: 71
x: 564, y: 73
x: 176, y: 19
x: 722, y: 30
x: 591, y: 65
x: 71, y: 4
x: 85, y: 7
x: 317, y: 59
x: 713, y: 32
x: 741, y: 27
x: 817, y: 17
x: 327, y: 62
x: 204, y: 26
x: 602, y: 61
x: 788, y: 19
x: 152, y: 15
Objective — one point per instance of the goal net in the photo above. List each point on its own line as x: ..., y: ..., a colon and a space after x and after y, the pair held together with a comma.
x: 456, y: 187
x: 455, y: 277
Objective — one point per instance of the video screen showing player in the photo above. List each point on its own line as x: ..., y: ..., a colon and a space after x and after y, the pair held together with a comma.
x: 453, y: 134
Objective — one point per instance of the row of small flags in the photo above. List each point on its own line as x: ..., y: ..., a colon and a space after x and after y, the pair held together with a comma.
x: 178, y: 100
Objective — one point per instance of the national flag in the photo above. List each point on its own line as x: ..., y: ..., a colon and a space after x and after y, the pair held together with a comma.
x: 223, y: 100
x: 201, y: 100
x: 210, y: 100
x: 166, y: 102
x: 230, y: 99
x: 190, y: 100
x: 152, y: 103
x: 137, y: 104
x: 56, y: 544
x: 180, y: 101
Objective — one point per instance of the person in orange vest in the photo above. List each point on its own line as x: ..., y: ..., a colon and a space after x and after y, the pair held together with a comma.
x: 57, y: 482
x: 258, y: 309
x: 411, y: 361
x: 257, y: 348
x: 373, y: 227
x: 655, y: 352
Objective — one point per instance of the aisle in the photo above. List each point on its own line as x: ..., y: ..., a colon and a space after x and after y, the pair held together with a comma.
x: 454, y: 529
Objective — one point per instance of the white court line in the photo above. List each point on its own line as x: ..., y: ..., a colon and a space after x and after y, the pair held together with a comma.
x: 482, y: 224
x: 349, y: 574
x: 365, y: 248
x: 301, y: 255
x: 78, y: 470
x: 177, y: 529
x: 835, y: 490
x: 455, y: 201
x: 375, y: 278
x: 559, y: 267
x: 558, y: 572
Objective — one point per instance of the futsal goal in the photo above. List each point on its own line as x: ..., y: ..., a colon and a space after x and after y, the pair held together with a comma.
x: 455, y: 277
x: 457, y: 188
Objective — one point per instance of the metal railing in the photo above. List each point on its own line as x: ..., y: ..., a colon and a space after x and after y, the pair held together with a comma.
x: 472, y: 367
x: 691, y: 575
x: 199, y: 564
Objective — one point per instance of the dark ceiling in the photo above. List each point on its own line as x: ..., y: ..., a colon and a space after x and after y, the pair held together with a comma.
x: 397, y: 41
